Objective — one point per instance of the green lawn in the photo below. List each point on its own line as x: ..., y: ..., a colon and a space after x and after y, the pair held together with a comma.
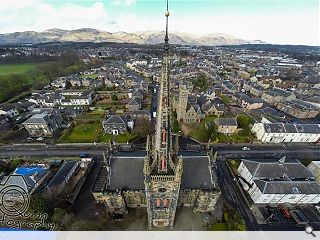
x: 96, y: 115
x: 198, y: 130
x: 93, y: 76
x: 92, y: 132
x: 7, y: 69
x: 218, y: 227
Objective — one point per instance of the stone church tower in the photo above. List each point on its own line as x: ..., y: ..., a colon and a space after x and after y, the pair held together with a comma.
x: 182, y: 103
x: 162, y: 168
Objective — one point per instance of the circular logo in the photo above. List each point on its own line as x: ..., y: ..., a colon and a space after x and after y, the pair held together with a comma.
x: 14, y: 201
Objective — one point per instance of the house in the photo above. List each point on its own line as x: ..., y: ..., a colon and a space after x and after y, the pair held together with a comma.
x: 314, y: 167
x: 274, y: 96
x: 115, y: 124
x: 286, y: 132
x: 247, y: 102
x: 140, y: 114
x: 27, y: 178
x: 227, y: 125
x: 213, y: 108
x: 9, y: 109
x: 43, y: 124
x: 279, y: 182
x: 27, y: 106
x: 254, y: 89
x: 298, y: 108
x: 134, y: 104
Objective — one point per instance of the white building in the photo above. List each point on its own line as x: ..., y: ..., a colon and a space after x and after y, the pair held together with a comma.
x: 279, y: 182
x: 286, y: 132
x: 314, y: 167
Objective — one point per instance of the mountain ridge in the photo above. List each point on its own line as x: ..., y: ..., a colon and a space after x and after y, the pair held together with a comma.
x: 141, y: 37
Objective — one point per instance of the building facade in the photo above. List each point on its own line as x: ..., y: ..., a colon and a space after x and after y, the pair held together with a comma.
x: 286, y: 132
x: 279, y: 182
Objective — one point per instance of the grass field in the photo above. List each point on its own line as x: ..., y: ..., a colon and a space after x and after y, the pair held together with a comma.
x: 93, y: 76
x: 7, y: 69
x: 93, y: 132
x: 218, y: 227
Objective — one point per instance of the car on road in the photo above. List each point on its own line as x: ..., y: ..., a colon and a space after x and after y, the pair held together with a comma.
x: 245, y: 149
x: 84, y: 155
x: 39, y: 139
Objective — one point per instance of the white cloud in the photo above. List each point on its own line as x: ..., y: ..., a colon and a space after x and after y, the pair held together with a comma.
x: 285, y: 28
x: 21, y: 15
x: 124, y: 2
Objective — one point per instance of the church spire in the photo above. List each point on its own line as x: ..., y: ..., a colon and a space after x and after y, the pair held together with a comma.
x: 167, y: 14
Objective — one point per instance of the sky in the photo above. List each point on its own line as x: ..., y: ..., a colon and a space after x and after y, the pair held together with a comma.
x: 272, y: 21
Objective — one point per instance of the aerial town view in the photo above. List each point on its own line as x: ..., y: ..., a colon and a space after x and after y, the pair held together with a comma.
x: 132, y: 115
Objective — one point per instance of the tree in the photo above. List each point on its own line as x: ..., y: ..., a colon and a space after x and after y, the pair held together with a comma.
x: 61, y: 219
x: 114, y: 97
x: 244, y: 120
x: 142, y: 127
x: 40, y: 205
x: 86, y: 225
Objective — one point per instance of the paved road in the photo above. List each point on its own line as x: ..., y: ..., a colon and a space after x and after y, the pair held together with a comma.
x: 233, y: 197
x: 311, y: 152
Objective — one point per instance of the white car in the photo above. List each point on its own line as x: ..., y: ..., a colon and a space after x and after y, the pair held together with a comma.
x: 245, y: 149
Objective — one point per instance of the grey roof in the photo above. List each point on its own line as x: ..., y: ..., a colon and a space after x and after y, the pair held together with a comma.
x: 61, y: 174
x: 127, y: 171
x: 248, y: 99
x: 275, y: 170
x: 291, y: 128
x: 274, y: 127
x: 114, y: 119
x: 300, y: 104
x: 8, y: 106
x: 288, y: 187
x: 278, y: 92
x: 226, y: 122
x: 38, y: 119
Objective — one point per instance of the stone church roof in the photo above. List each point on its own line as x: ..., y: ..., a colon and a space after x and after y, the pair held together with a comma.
x: 127, y: 171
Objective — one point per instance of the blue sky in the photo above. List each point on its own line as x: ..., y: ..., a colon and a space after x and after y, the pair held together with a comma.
x: 274, y: 21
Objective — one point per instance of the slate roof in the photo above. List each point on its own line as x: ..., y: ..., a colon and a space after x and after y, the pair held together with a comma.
x: 274, y: 170
x: 127, y: 171
x: 61, y: 174
x: 226, y: 122
x: 291, y: 128
x: 248, y: 99
x: 294, y: 187
x: 114, y: 119
x: 38, y: 118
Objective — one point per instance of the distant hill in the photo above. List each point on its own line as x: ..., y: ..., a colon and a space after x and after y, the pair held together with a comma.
x: 94, y: 35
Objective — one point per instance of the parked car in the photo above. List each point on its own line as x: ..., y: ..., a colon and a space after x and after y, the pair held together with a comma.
x: 245, y: 149
x: 39, y: 139
x: 284, y: 211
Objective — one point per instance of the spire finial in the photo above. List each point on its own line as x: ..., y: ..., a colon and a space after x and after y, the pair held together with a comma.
x: 167, y: 14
